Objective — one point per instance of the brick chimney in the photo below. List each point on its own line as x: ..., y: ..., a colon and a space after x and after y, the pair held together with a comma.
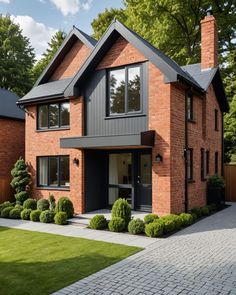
x: 209, y: 37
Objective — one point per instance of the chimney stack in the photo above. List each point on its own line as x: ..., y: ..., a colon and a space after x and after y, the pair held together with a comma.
x: 209, y: 38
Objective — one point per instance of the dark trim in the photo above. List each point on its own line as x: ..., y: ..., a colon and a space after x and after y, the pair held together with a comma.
x: 190, y: 111
x: 50, y: 188
x: 216, y: 120
x: 222, y: 145
x: 202, y: 166
x: 145, y: 139
x: 216, y: 162
x: 207, y: 162
x: 53, y: 129
x: 130, y: 115
x: 186, y: 154
x: 11, y: 118
x: 192, y: 121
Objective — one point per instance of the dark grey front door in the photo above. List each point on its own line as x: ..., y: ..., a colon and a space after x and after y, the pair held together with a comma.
x: 143, y: 195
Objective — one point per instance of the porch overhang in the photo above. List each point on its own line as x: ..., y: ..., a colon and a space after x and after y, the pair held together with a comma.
x: 144, y: 139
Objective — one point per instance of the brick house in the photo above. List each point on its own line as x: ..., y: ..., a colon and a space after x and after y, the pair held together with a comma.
x: 118, y: 118
x: 12, y: 139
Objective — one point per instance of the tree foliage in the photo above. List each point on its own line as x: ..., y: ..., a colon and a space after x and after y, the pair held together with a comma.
x: 16, y: 57
x: 53, y: 46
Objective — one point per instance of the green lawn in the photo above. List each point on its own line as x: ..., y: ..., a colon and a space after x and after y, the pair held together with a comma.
x: 39, y: 263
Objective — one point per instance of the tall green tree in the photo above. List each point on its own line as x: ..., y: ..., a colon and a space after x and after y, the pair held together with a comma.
x: 16, y: 57
x: 53, y: 46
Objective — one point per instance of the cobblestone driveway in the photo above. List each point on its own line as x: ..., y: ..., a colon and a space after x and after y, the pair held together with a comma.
x: 198, y: 260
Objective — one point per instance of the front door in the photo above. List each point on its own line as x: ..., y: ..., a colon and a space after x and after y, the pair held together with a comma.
x: 143, y: 191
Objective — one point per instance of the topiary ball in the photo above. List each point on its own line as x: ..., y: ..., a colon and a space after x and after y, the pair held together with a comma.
x: 30, y: 204
x: 21, y: 197
x: 197, y: 211
x: 136, y: 226
x: 64, y: 204
x: 117, y: 224
x: 25, y: 214
x: 18, y: 206
x: 46, y: 216
x: 169, y: 224
x: 5, y: 205
x: 154, y: 229
x: 98, y: 222
x: 6, y: 211
x: 15, y: 213
x: 150, y: 218
x: 122, y: 209
x: 60, y: 218
x: 34, y: 215
x: 187, y: 219
x: 204, y: 211
x: 42, y: 205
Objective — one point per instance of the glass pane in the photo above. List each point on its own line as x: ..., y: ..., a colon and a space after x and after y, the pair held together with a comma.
x: 117, y: 91
x: 116, y: 193
x: 145, y: 169
x: 190, y: 163
x: 134, y: 89
x: 43, y: 171
x: 120, y: 168
x: 65, y: 114
x: 53, y: 179
x: 64, y: 171
x: 54, y: 115
x: 43, y: 117
x: 190, y: 107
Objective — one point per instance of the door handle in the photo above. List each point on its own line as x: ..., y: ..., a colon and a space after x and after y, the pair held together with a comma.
x: 138, y: 179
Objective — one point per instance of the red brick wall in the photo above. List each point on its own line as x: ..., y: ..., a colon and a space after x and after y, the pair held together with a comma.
x: 46, y: 143
x: 71, y: 62
x: 12, y: 147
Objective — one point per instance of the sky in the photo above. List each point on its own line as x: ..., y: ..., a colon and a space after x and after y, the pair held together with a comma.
x: 40, y: 19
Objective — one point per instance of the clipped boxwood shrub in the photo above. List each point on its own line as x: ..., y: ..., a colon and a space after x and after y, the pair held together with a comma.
x: 150, y: 217
x: 30, y: 204
x: 46, y: 216
x: 197, y: 211
x: 64, y: 204
x: 98, y: 222
x: 136, y: 226
x: 194, y: 216
x: 6, y: 211
x: 34, y: 215
x: 122, y: 209
x: 117, y: 224
x: 42, y: 205
x: 52, y: 203
x: 15, y: 213
x: 177, y: 220
x: 169, y: 224
x: 204, y: 211
x: 18, y: 206
x: 5, y: 205
x: 186, y: 218
x: 60, y: 218
x: 21, y: 197
x: 216, y: 181
x: 25, y: 214
x: 154, y: 229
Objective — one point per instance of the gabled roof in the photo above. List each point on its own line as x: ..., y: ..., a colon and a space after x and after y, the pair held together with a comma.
x: 71, y: 38
x: 171, y: 70
x: 8, y: 107
x: 205, y: 77
x: 49, y: 90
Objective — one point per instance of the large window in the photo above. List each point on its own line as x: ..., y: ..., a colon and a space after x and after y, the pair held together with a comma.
x: 190, y: 164
x: 56, y: 115
x: 124, y: 90
x: 53, y: 171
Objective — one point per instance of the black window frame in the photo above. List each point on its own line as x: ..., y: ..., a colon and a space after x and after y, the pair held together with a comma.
x: 59, y: 118
x: 59, y: 186
x: 216, y: 162
x: 190, y: 116
x: 190, y: 164
x: 202, y: 166
x: 207, y: 162
x: 126, y: 113
x: 216, y: 120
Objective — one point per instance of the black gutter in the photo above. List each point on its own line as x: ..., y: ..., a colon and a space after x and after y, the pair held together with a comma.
x: 186, y: 153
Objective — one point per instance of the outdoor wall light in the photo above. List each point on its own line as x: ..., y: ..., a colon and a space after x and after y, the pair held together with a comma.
x: 76, y: 162
x: 158, y: 158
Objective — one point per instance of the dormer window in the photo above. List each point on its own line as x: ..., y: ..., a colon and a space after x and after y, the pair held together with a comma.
x: 53, y: 116
x: 124, y: 90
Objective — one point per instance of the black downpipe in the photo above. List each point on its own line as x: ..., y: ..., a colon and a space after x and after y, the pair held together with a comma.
x: 222, y: 144
x: 186, y: 153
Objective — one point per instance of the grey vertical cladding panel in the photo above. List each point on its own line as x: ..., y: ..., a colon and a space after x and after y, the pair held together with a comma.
x: 95, y: 109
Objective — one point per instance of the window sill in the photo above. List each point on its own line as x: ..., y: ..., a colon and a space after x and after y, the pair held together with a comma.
x: 217, y: 130
x: 53, y: 129
x: 191, y: 180
x: 53, y: 188
x: 124, y: 116
x: 203, y: 179
x: 192, y: 121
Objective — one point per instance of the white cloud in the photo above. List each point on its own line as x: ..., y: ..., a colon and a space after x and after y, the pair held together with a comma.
x: 38, y: 34
x: 71, y: 6
x: 67, y: 6
x: 5, y: 1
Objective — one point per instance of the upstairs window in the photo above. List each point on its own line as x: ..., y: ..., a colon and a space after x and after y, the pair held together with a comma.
x: 53, y: 116
x: 207, y: 162
x: 124, y: 90
x: 190, y: 106
x: 202, y: 164
x: 190, y: 164
x: 216, y: 120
